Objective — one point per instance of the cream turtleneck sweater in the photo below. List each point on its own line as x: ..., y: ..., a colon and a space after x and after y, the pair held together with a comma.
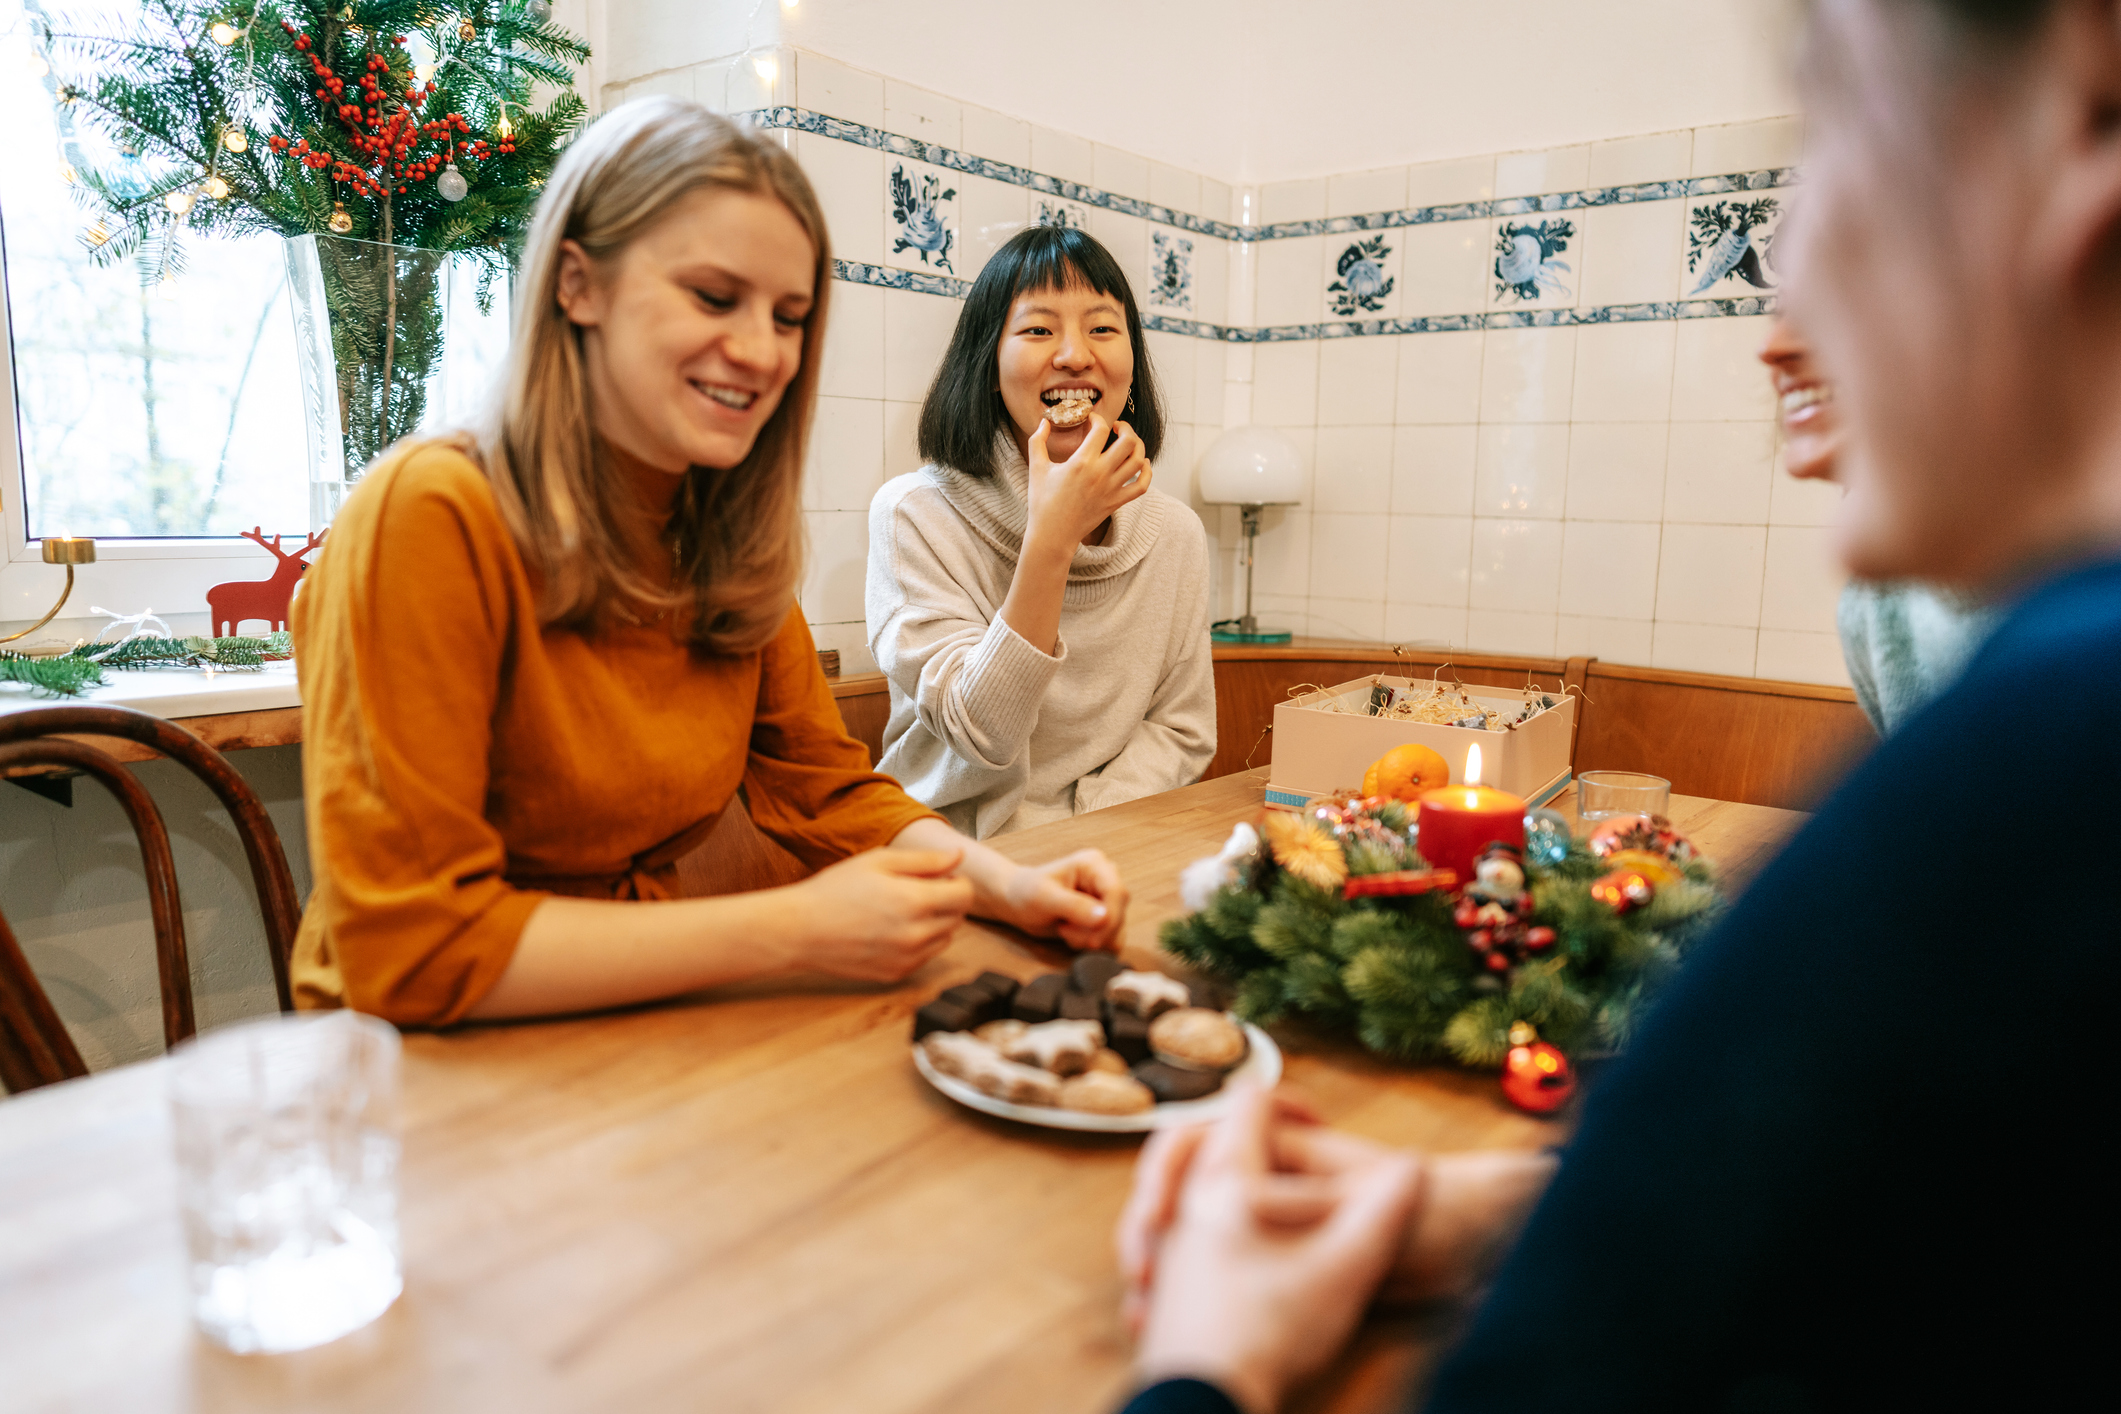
x: 985, y: 727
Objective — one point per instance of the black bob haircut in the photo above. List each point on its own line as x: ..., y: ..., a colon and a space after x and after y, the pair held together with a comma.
x: 964, y: 411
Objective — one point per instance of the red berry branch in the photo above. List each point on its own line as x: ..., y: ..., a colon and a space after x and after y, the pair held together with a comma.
x: 385, y: 127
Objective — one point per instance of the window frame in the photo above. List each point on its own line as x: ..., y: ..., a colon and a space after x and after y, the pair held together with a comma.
x: 130, y: 573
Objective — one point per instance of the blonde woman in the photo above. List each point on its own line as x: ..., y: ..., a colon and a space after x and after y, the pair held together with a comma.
x: 539, y: 660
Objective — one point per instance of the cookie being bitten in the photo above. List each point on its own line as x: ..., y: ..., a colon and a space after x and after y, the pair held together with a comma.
x: 1068, y: 412
x: 1197, y: 1038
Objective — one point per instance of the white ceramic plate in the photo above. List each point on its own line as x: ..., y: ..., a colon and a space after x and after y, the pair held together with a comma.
x: 1262, y: 1064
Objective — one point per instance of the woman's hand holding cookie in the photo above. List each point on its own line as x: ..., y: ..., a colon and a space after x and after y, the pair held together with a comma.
x: 1070, y: 500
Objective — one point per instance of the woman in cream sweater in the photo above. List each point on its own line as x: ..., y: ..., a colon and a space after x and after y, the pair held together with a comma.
x: 1040, y: 609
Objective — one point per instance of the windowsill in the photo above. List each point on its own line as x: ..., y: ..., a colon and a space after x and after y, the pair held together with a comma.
x: 176, y: 692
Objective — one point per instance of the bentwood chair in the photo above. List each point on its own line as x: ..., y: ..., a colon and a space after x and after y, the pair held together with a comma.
x: 34, y: 1047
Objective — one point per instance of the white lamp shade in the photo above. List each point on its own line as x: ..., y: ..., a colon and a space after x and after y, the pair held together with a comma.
x: 1251, y: 466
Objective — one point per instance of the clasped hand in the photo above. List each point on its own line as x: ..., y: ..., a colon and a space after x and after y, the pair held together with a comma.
x: 1074, y: 498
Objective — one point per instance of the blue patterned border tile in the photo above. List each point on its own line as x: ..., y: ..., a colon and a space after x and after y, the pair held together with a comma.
x: 1175, y: 324
x: 855, y: 272
x: 840, y: 129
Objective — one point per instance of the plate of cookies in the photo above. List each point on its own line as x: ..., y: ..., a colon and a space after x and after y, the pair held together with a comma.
x: 1098, y: 1047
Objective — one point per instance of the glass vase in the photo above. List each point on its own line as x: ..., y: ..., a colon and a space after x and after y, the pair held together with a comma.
x: 391, y: 340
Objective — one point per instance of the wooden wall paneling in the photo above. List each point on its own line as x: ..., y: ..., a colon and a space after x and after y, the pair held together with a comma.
x: 1744, y: 739
x: 865, y: 707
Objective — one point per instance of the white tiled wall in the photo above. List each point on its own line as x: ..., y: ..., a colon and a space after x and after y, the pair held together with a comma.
x: 1607, y: 488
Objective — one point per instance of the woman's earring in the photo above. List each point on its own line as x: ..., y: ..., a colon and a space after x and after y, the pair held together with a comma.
x: 1130, y: 404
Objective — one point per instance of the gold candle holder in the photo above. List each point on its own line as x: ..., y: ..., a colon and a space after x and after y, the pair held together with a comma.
x: 68, y: 550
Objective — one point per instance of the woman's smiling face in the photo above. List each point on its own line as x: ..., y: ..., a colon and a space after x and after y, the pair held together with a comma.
x: 1059, y: 343
x: 693, y: 331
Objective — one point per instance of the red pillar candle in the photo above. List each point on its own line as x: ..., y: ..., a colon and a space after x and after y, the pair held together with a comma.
x: 1457, y: 822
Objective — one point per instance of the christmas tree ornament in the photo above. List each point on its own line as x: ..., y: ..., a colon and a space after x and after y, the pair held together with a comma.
x: 451, y: 184
x: 1201, y: 880
x: 1623, y: 890
x: 1303, y: 849
x: 467, y: 31
x: 1546, y: 837
x: 340, y: 221
x: 1644, y: 832
x: 225, y: 34
x: 538, y: 10
x: 1535, y: 1076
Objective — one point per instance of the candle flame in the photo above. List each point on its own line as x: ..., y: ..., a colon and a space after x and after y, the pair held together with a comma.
x: 1473, y: 765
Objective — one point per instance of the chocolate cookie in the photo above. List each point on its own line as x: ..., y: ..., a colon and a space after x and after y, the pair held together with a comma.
x: 1039, y: 999
x: 1090, y: 972
x: 1169, y: 1082
x: 940, y: 1015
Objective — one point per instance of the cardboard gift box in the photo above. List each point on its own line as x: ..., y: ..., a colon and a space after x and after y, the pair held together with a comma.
x: 1318, y: 751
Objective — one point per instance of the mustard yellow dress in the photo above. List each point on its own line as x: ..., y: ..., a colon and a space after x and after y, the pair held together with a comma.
x: 461, y: 763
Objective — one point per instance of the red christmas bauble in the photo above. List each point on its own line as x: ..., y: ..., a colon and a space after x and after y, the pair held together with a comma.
x: 1537, y: 1079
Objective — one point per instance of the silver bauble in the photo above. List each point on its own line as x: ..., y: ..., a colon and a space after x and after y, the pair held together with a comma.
x: 452, y: 184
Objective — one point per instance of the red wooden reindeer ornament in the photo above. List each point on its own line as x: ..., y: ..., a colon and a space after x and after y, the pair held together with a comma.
x: 239, y: 600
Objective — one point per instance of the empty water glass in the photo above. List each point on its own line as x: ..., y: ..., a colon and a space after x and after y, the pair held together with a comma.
x: 287, y: 1161
x: 1600, y: 795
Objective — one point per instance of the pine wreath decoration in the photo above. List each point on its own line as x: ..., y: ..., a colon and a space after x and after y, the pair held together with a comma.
x: 1571, y: 942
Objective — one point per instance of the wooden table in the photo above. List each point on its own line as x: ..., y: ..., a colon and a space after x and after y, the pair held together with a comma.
x: 749, y: 1202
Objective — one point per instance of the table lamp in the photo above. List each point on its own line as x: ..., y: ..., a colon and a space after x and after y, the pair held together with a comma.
x: 1250, y: 467
x: 68, y: 550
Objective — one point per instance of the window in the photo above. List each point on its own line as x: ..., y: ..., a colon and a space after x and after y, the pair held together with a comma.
x: 151, y: 408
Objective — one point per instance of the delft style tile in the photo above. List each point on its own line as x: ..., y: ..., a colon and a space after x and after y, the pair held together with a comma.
x: 1730, y: 247
x: 1058, y: 211
x: 1363, y: 273
x: 1170, y: 282
x: 920, y: 217
x: 1532, y: 262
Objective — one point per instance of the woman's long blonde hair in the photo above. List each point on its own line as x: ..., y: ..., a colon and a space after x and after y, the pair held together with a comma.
x: 739, y: 532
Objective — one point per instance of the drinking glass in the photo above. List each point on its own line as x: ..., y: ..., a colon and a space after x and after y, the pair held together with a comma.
x: 287, y: 1165
x: 1600, y: 795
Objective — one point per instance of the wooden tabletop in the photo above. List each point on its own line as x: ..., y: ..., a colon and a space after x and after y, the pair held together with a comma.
x: 748, y: 1201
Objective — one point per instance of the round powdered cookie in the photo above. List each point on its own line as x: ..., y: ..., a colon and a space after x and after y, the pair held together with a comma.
x: 1197, y: 1038
x: 1103, y: 1093
x: 1110, y: 1060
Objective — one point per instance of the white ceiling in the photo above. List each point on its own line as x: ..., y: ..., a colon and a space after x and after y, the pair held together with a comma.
x: 1250, y: 90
